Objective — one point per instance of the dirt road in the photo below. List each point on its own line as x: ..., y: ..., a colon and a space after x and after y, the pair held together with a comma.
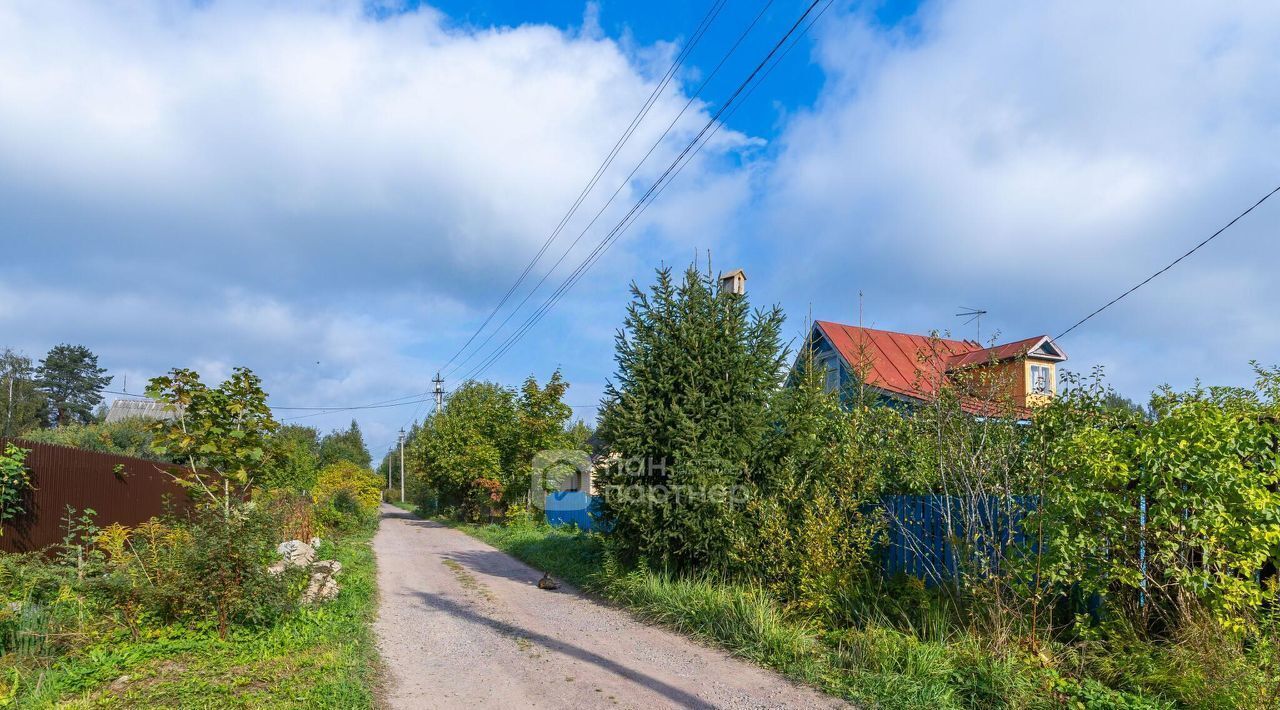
x: 462, y: 625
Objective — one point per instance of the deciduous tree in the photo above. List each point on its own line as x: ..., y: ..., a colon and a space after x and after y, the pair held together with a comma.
x: 345, y: 445
x: 22, y: 404
x: 223, y: 429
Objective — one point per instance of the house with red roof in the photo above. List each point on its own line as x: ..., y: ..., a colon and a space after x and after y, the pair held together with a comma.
x: 909, y: 369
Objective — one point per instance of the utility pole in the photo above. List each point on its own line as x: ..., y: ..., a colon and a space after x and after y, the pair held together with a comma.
x: 402, y: 465
x: 439, y: 391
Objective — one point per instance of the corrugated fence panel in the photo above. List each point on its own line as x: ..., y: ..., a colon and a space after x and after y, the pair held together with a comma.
x: 573, y: 507
x: 121, y: 489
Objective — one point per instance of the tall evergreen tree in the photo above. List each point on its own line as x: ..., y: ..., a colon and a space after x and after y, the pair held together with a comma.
x: 687, y: 412
x: 70, y: 378
x: 22, y: 405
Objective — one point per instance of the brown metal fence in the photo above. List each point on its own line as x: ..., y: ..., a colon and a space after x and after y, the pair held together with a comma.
x: 121, y: 489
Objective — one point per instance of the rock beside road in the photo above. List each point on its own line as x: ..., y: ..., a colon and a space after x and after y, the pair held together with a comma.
x: 323, y: 585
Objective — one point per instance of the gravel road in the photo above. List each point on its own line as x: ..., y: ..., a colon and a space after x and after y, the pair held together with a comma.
x: 462, y: 625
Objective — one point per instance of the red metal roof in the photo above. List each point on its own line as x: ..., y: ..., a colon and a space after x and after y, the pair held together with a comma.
x: 995, y: 353
x: 913, y: 365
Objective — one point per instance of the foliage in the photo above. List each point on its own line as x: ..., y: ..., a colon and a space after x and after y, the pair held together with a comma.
x: 128, y: 437
x: 1206, y: 468
x: 347, y: 496
x: 37, y: 614
x: 807, y: 534
x: 211, y: 572
x: 22, y: 404
x: 317, y: 656
x: 70, y: 379
x: 687, y: 412
x: 15, y: 481
x: 344, y: 445
x: 223, y: 429
x: 294, y: 513
x: 476, y: 455
x: 293, y: 459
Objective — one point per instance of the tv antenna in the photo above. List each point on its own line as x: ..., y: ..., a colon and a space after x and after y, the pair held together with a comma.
x: 975, y: 316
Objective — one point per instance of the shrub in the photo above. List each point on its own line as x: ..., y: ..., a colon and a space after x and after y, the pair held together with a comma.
x: 1204, y: 473
x: 293, y: 513
x: 130, y: 437
x: 38, y: 609
x: 211, y: 573
x: 347, y: 496
x: 15, y: 481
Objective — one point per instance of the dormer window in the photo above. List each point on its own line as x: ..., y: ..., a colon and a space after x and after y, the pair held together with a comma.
x: 1041, y: 380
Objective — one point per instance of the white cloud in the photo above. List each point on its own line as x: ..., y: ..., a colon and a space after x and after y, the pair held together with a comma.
x: 323, y: 195
x: 1037, y: 159
x: 284, y: 143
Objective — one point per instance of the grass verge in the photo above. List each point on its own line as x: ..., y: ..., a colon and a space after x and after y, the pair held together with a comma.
x: 874, y: 666
x: 320, y: 657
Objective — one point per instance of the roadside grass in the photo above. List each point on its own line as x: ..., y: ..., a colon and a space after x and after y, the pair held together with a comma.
x: 320, y: 657
x: 874, y: 665
x: 406, y: 505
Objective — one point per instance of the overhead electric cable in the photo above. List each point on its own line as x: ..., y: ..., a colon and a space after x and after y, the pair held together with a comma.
x: 613, y: 234
x: 712, y: 12
x: 621, y: 186
x: 1170, y: 265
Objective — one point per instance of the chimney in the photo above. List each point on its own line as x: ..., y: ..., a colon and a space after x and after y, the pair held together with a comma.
x: 734, y: 282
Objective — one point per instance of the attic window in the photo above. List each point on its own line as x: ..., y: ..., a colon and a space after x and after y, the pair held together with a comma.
x: 831, y: 373
x: 1041, y: 380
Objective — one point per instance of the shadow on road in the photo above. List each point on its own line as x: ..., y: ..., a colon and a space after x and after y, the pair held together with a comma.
x: 676, y: 695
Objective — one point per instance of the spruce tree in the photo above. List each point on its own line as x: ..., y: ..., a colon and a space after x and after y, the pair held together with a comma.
x: 687, y: 412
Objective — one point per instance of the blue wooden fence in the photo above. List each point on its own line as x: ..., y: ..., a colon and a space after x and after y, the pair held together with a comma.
x: 934, y: 537
x: 930, y: 537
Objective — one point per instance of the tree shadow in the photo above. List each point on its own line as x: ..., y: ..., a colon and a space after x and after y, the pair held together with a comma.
x: 494, y: 563
x: 676, y: 695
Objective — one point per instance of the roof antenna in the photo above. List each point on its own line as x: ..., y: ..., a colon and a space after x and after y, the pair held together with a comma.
x: 975, y: 316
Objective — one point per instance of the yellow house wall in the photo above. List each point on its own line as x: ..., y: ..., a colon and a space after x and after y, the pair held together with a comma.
x: 1011, y: 381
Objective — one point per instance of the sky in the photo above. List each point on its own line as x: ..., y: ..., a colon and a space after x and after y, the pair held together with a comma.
x: 337, y: 193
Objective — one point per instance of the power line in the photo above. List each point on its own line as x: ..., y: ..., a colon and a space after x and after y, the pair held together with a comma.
x: 625, y: 182
x: 712, y: 12
x: 627, y: 219
x: 1171, y: 264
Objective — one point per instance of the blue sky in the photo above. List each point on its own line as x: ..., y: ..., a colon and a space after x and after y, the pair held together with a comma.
x: 336, y: 193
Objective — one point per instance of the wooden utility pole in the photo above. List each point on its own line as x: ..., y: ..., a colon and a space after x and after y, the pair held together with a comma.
x: 402, y: 465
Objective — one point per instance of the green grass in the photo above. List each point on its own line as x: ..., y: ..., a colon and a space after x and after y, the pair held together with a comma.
x: 875, y: 666
x: 406, y: 505
x: 318, y: 658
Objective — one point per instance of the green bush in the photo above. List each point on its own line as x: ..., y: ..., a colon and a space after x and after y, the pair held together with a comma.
x: 211, y: 573
x: 1206, y: 466
x: 129, y: 437
x: 15, y: 482
x: 347, y: 496
x: 35, y: 612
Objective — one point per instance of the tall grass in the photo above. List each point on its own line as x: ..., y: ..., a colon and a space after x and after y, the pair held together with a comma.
x: 904, y: 647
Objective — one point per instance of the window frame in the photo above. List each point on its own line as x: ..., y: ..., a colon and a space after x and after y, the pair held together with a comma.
x: 1047, y: 387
